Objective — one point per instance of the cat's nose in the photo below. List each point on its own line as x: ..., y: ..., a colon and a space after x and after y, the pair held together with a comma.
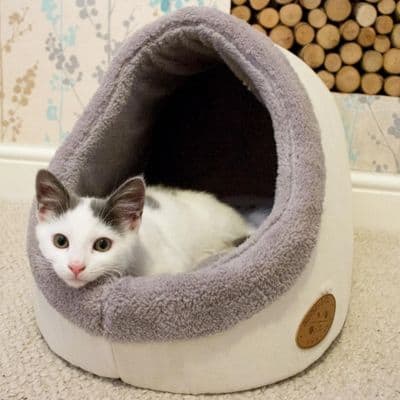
x: 76, y: 268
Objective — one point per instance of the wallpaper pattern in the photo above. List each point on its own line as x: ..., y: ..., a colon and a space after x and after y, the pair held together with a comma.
x: 53, y: 55
x: 372, y: 126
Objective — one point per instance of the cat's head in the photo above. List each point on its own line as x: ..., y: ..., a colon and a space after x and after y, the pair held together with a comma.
x: 85, y: 238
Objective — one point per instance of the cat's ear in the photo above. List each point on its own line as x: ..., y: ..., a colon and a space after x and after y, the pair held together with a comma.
x: 52, y: 197
x: 126, y: 203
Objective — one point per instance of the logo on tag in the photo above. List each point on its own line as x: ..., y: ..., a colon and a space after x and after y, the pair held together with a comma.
x: 317, y: 322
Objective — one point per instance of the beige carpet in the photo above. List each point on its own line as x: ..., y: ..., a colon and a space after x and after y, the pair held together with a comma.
x: 364, y: 362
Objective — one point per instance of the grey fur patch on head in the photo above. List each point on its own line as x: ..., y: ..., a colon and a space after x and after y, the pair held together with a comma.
x: 124, y: 207
x: 52, y: 196
x: 151, y: 202
x: 99, y: 208
x: 104, y: 213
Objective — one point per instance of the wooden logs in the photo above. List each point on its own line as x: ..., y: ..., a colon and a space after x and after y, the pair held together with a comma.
x: 397, y: 11
x: 371, y: 83
x: 366, y: 37
x: 317, y: 18
x: 313, y: 55
x: 290, y: 14
x: 352, y: 45
x: 242, y: 12
x: 258, y: 4
x: 384, y: 24
x: 386, y: 7
x: 349, y: 30
x: 348, y: 79
x: 333, y: 62
x: 372, y: 61
x: 391, y: 61
x: 351, y: 53
x: 365, y: 14
x: 283, y: 36
x: 392, y: 85
x: 395, y: 36
x: 268, y: 18
x: 303, y: 33
x: 328, y: 78
x: 328, y: 36
x: 382, y: 43
x: 310, y: 4
x: 337, y: 10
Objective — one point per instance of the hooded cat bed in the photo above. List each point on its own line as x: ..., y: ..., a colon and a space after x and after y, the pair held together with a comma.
x: 200, y: 100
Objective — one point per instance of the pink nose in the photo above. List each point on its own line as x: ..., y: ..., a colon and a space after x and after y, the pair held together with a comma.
x: 76, y: 268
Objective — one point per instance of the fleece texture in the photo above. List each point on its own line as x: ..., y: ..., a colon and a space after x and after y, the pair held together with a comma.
x: 114, y: 138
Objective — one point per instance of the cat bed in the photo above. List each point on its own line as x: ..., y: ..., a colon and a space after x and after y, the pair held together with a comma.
x: 200, y: 100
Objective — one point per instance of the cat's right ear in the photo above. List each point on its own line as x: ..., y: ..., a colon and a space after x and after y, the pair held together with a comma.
x: 52, y: 197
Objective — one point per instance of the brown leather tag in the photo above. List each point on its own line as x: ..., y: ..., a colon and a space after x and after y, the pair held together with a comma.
x: 317, y: 322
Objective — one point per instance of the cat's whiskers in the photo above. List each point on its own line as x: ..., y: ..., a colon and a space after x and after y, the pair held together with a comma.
x: 111, y: 270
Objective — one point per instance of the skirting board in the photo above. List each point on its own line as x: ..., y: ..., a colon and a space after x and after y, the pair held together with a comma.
x: 18, y: 167
x: 376, y: 197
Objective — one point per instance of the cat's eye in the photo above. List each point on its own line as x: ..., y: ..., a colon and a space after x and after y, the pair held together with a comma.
x: 102, y: 244
x: 60, y: 241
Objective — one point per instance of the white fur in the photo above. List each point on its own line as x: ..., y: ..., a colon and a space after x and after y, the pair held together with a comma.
x: 186, y: 228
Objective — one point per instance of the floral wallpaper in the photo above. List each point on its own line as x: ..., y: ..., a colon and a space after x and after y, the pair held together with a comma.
x: 372, y: 126
x: 53, y: 54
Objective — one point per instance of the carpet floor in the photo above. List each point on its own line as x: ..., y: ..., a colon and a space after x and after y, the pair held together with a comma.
x: 363, y: 363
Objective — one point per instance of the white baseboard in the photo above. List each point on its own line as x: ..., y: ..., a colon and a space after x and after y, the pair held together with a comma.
x: 376, y: 201
x: 18, y: 167
x: 376, y: 197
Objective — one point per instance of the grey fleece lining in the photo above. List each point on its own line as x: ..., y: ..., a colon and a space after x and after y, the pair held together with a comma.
x: 150, y: 65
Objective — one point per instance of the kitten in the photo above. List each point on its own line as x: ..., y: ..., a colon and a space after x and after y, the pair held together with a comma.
x: 135, y: 230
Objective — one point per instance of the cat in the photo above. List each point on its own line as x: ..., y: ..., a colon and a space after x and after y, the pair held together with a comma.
x: 135, y: 230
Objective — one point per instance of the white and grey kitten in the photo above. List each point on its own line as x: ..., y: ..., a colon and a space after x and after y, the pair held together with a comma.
x: 134, y: 230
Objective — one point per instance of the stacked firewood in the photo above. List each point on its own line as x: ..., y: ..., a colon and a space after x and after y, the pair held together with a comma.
x: 353, y: 46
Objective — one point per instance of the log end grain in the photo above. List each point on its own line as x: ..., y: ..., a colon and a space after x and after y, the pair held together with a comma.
x: 242, y: 12
x: 349, y: 30
x: 290, y: 14
x: 268, y: 18
x: 351, y: 53
x: 313, y: 55
x: 391, y: 61
x: 337, y: 10
x: 372, y: 61
x: 371, y: 83
x: 348, y: 79
x: 328, y: 36
x: 304, y: 33
x: 328, y: 78
x: 392, y: 85
x: 317, y: 18
x: 332, y: 62
x: 283, y: 36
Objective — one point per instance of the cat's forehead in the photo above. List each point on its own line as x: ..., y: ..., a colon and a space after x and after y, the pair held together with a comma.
x: 81, y: 221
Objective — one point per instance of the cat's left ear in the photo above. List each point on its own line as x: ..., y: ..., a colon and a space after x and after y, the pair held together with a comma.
x: 126, y: 203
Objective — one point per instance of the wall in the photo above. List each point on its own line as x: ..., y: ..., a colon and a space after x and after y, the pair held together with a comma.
x: 53, y: 54
x: 372, y: 125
